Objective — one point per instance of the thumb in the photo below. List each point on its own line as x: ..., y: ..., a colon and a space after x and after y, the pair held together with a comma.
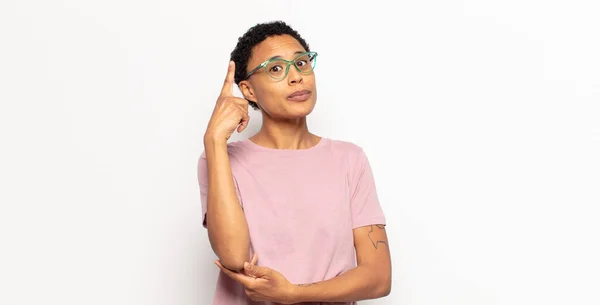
x: 256, y: 271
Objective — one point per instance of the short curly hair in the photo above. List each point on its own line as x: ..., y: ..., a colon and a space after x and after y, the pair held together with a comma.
x: 255, y: 35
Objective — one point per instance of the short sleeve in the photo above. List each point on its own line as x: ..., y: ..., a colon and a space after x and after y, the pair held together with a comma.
x: 364, y: 203
x: 203, y: 183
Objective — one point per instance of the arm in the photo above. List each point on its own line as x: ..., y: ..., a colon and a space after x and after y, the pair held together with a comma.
x: 371, y: 279
x: 227, y: 227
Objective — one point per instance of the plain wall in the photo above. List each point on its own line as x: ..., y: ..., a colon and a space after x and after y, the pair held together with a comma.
x: 481, y: 120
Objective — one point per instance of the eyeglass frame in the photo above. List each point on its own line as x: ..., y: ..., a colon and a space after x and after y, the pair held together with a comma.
x: 287, y: 67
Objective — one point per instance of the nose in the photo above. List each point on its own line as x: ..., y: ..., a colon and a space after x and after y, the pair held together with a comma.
x: 294, y: 76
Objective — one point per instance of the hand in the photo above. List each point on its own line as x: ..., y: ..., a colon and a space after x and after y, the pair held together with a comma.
x: 229, y: 112
x: 262, y: 283
x: 253, y: 261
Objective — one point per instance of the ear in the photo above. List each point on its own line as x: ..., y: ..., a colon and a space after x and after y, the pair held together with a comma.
x: 247, y: 91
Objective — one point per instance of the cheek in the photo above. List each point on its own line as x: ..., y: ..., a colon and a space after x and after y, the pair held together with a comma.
x: 270, y: 93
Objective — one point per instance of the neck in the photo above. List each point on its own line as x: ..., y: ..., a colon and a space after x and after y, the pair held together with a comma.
x: 285, y: 134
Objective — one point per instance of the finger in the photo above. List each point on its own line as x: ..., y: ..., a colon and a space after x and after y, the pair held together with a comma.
x: 253, y: 261
x: 239, y: 277
x: 244, y: 122
x: 242, y: 102
x: 229, y: 79
x: 257, y: 271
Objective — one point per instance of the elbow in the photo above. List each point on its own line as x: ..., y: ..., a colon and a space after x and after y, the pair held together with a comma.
x: 233, y: 264
x: 380, y: 280
x: 234, y: 260
x: 232, y: 257
x: 232, y: 252
x: 386, y: 291
x: 385, y: 287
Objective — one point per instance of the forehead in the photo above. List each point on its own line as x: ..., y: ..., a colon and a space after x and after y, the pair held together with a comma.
x: 282, y: 45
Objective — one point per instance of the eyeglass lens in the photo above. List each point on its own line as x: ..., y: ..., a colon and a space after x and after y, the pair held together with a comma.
x: 305, y: 63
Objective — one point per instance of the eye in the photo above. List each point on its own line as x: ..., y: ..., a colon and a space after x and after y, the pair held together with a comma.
x: 276, y: 68
x: 301, y: 63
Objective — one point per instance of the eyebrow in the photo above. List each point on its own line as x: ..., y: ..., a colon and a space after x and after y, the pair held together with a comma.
x: 279, y: 56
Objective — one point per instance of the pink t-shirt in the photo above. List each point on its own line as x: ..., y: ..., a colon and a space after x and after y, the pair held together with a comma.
x: 301, y: 206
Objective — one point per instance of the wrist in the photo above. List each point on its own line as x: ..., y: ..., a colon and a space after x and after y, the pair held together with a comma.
x: 295, y: 294
x: 211, y: 139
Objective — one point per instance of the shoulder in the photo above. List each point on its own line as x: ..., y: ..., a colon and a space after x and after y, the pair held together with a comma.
x: 346, y: 147
x: 351, y: 152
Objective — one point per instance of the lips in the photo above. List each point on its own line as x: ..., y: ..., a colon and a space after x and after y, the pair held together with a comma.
x: 299, y: 93
x: 299, y: 96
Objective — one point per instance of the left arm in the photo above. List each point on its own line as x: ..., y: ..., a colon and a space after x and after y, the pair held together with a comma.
x: 371, y: 279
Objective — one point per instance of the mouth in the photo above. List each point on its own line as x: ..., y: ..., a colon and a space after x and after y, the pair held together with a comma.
x: 299, y: 96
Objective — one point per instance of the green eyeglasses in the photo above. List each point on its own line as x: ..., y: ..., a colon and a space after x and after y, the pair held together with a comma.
x: 304, y: 63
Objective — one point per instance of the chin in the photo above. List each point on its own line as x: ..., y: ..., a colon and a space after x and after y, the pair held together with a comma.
x: 300, y: 109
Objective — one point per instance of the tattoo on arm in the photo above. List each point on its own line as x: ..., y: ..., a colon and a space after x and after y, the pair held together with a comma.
x: 376, y: 243
x: 303, y: 285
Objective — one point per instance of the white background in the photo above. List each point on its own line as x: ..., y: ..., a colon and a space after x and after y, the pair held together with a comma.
x: 481, y: 120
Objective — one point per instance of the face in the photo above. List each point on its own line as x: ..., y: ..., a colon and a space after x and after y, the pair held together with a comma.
x: 272, y: 96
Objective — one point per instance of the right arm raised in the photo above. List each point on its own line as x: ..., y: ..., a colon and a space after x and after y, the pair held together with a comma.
x: 227, y: 227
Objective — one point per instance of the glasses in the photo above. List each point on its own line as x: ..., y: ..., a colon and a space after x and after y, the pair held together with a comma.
x: 278, y: 68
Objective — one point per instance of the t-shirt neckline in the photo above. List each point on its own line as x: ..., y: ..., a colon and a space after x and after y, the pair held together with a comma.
x: 248, y: 143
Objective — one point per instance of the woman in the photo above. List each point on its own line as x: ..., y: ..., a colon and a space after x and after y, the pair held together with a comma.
x: 285, y: 209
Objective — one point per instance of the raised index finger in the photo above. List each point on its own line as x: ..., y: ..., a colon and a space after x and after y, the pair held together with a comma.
x: 228, y: 85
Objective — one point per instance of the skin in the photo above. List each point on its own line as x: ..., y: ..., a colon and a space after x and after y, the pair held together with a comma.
x: 227, y: 227
x: 284, y: 122
x: 284, y: 127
